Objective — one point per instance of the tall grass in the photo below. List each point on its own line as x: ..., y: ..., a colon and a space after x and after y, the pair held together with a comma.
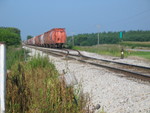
x: 13, y: 55
x: 34, y: 87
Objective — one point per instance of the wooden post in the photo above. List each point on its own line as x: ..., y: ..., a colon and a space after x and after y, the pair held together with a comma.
x: 2, y: 77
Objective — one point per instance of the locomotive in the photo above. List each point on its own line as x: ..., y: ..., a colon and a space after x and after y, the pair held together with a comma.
x: 54, y: 38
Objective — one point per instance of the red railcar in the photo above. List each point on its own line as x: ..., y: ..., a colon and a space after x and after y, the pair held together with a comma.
x: 53, y: 38
x: 33, y: 39
x: 37, y: 40
x: 29, y: 41
x: 41, y: 40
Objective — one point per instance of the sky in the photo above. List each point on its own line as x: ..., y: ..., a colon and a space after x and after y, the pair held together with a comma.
x: 34, y: 17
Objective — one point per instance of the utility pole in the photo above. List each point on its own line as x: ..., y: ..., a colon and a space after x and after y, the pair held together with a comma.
x: 72, y: 38
x: 98, y: 26
x: 98, y: 39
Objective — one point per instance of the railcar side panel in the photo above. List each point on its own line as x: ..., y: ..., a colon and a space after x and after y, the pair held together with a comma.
x: 41, y: 40
x: 53, y: 38
x: 37, y: 41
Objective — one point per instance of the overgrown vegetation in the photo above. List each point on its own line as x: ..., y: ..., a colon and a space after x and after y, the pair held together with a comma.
x: 34, y: 87
x: 108, y: 38
x: 14, y: 54
x: 10, y: 36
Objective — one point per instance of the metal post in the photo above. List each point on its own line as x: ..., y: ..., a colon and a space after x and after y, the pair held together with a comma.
x: 72, y: 40
x: 2, y: 77
x: 98, y: 39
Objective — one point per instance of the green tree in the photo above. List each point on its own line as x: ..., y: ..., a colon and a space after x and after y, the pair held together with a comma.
x: 10, y: 36
x: 109, y: 37
x: 29, y: 36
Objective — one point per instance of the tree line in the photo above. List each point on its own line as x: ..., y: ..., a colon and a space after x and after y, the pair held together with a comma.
x: 108, y: 38
x: 10, y: 36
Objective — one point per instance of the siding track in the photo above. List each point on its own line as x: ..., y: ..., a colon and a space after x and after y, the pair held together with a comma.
x: 137, y: 71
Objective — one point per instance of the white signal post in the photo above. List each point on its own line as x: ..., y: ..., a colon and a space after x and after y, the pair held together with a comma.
x: 2, y: 77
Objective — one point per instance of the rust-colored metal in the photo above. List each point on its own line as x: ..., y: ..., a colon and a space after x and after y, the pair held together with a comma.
x: 37, y: 40
x: 54, y: 37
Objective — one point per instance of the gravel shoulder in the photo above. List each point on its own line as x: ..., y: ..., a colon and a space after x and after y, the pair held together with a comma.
x: 115, y: 92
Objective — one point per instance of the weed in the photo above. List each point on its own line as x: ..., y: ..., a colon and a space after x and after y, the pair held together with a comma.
x: 34, y: 87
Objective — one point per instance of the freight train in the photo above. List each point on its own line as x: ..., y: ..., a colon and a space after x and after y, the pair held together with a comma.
x: 54, y: 38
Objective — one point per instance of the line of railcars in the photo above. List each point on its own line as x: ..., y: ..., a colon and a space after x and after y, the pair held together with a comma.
x: 53, y: 38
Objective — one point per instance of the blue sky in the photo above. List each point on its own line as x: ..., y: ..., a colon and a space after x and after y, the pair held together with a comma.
x: 33, y: 17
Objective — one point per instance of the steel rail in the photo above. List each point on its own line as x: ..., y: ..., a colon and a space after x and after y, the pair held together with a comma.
x: 117, y: 62
x: 114, y: 68
x: 117, y: 69
x: 99, y: 65
x: 144, y: 67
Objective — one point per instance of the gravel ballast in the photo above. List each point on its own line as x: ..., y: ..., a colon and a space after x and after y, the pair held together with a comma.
x: 115, y: 92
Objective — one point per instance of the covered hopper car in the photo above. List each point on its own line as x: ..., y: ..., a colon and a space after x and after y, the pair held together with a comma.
x: 53, y: 38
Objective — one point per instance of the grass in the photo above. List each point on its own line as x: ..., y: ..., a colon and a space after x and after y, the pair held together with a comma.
x: 135, y: 44
x: 13, y: 55
x: 141, y: 54
x: 34, y: 87
x: 113, y: 50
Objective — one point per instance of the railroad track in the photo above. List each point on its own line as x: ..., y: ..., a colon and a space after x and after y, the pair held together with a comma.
x: 128, y: 69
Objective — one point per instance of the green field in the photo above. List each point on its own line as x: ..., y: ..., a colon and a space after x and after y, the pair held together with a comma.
x: 113, y: 50
x: 141, y: 54
x: 135, y: 44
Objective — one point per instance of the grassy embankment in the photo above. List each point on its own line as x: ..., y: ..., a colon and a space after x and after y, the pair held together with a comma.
x: 34, y: 87
x: 136, y: 44
x: 114, y: 49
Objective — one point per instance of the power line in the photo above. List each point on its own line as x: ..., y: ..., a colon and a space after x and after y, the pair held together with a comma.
x: 133, y: 16
x: 140, y: 13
